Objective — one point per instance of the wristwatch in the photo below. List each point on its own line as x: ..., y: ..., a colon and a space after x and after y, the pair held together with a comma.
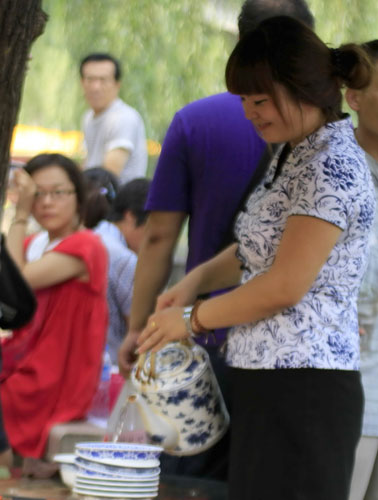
x: 186, y: 316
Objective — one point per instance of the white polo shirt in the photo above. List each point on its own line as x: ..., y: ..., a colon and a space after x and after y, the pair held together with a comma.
x: 119, y: 126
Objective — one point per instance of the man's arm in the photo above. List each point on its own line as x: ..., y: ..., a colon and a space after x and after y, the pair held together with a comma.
x: 115, y: 160
x: 152, y: 272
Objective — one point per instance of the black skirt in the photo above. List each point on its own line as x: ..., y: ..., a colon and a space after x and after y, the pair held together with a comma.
x: 294, y: 433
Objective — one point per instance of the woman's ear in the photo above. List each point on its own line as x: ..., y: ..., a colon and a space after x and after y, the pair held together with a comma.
x: 352, y: 97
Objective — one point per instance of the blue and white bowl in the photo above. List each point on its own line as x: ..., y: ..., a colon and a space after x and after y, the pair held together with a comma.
x: 96, y: 469
x: 118, y: 451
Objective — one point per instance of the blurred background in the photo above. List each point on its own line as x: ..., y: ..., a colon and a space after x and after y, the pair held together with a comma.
x: 172, y: 52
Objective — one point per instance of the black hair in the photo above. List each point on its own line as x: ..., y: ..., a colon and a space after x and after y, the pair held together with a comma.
x: 285, y: 51
x: 74, y: 173
x: 102, y: 56
x: 253, y: 12
x: 102, y: 187
x: 372, y: 49
x: 132, y: 197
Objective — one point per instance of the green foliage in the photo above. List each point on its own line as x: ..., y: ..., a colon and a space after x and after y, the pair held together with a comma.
x: 169, y: 54
x: 342, y: 21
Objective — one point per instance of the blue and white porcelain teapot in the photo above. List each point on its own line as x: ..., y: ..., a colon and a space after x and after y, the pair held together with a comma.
x: 179, y: 399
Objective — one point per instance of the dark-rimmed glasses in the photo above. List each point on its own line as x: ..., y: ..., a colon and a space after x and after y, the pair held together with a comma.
x: 55, y: 194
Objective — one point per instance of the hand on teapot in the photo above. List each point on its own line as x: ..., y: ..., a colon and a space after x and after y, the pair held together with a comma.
x: 162, y: 327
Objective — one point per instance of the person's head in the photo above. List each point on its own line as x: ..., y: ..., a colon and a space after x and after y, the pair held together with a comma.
x: 60, y: 196
x: 102, y: 187
x: 289, y: 80
x: 100, y: 78
x: 365, y: 103
x: 253, y: 12
x: 128, y: 211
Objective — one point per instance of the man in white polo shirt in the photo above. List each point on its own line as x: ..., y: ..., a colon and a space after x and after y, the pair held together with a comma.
x: 114, y: 134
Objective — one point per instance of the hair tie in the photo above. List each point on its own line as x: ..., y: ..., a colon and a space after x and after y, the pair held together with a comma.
x: 336, y: 61
x: 108, y: 191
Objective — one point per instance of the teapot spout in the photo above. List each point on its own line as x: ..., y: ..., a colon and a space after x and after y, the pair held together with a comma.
x: 159, y: 429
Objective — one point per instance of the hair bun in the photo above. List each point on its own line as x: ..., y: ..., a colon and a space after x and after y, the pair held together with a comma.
x: 336, y: 60
x: 351, y: 65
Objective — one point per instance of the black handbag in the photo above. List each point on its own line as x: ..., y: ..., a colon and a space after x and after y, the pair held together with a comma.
x: 17, y: 300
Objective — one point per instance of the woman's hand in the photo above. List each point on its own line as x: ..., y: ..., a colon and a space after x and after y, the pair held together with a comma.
x: 26, y: 189
x: 162, y: 327
x: 222, y: 271
x: 181, y: 294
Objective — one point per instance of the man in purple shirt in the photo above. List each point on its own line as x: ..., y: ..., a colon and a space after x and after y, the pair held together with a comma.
x: 193, y: 178
x: 208, y: 159
x: 203, y: 171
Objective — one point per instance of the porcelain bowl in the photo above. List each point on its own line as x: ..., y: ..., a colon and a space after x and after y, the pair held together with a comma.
x: 118, y: 451
x: 96, y: 469
x: 67, y: 468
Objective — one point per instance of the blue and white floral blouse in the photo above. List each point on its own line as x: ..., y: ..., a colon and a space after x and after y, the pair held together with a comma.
x: 325, y: 176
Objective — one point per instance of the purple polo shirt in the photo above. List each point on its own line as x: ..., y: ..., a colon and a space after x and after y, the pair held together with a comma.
x: 209, y: 155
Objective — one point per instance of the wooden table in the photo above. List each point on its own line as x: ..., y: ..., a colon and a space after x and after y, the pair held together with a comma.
x: 171, y: 488
x: 34, y: 488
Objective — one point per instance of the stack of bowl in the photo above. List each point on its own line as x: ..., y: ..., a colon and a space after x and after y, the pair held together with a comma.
x: 117, y: 470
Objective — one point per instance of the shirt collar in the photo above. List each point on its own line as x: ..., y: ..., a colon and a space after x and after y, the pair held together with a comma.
x: 322, y: 136
x: 111, y: 230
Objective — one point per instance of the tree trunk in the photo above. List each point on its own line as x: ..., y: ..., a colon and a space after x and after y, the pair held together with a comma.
x: 21, y: 22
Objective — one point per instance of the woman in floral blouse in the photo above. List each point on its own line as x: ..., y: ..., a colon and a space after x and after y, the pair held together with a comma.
x: 300, y: 256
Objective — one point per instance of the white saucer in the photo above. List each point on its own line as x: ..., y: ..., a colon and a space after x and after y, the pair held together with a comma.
x: 146, y: 491
x: 101, y: 494
x: 64, y: 458
x: 116, y: 480
x: 108, y: 472
x: 127, y: 489
x: 146, y: 464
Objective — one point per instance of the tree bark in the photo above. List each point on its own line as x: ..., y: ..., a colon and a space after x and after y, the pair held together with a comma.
x: 21, y: 22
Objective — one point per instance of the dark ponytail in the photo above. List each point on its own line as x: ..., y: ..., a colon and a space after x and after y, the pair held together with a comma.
x: 102, y: 188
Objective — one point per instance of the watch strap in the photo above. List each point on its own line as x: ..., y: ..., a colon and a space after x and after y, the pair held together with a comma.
x: 186, y: 316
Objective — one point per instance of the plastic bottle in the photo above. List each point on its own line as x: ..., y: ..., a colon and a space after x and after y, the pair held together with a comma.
x: 100, y: 403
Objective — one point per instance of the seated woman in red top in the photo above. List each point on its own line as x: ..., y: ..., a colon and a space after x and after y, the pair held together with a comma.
x: 51, y: 366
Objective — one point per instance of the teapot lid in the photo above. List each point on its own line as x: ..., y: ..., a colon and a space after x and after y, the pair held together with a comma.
x: 176, y: 365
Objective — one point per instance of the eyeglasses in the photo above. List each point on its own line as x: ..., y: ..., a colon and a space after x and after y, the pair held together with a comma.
x: 55, y: 195
x: 103, y: 80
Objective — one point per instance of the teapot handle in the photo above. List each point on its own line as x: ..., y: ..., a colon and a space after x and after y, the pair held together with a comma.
x: 141, y: 363
x: 151, y: 375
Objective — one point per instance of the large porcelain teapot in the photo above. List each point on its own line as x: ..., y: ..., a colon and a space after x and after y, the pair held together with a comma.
x: 179, y: 399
